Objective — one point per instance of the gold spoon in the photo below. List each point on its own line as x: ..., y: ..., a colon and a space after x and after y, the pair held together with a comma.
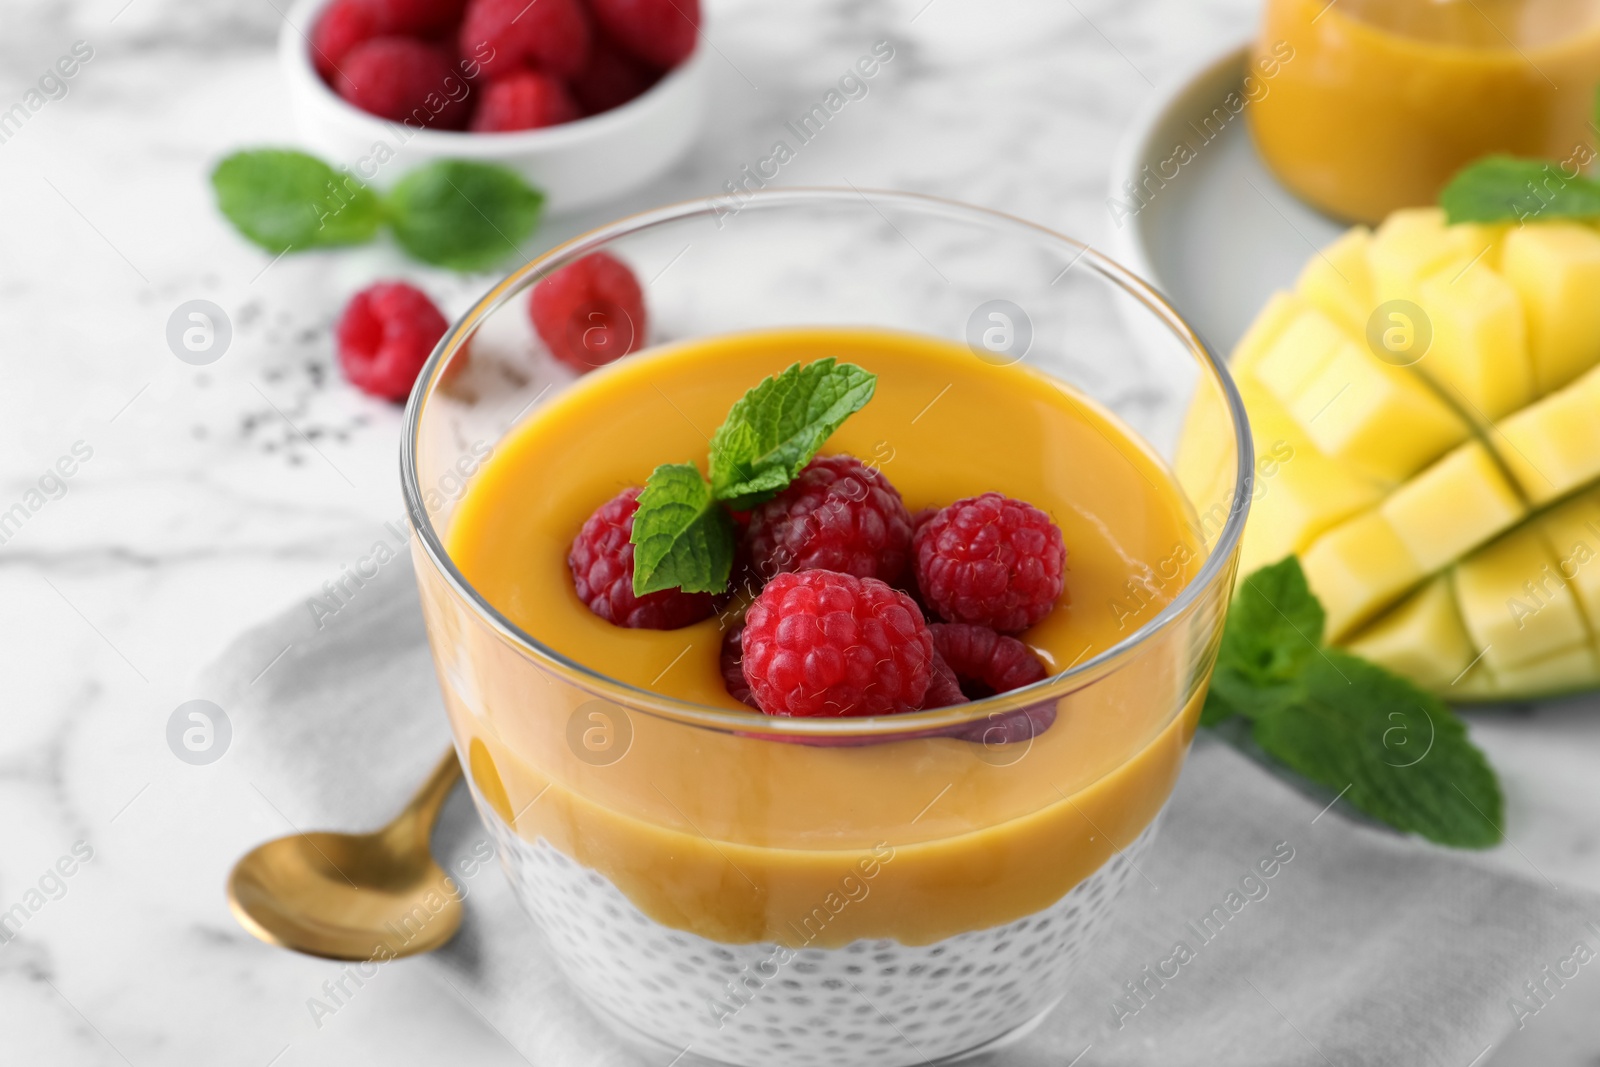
x: 354, y: 896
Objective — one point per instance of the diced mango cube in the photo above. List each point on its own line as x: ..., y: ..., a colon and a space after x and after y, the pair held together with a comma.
x: 1413, y: 243
x: 1338, y: 281
x: 1576, y: 668
x: 1301, y: 351
x: 1555, y: 268
x: 1552, y: 446
x: 1516, y: 606
x: 1572, y: 530
x: 1422, y: 638
x: 1299, y: 492
x: 1382, y: 420
x: 1282, y: 308
x: 1356, y: 568
x: 1479, y: 351
x: 1453, y: 506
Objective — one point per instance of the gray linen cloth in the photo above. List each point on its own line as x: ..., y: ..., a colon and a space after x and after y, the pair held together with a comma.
x: 1362, y: 948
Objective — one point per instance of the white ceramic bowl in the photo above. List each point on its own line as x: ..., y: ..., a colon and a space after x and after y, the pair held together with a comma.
x: 576, y: 164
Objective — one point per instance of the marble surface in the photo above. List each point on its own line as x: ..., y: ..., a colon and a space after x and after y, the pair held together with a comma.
x: 212, y: 496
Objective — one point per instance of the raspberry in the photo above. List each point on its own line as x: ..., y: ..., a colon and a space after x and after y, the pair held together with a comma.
x: 385, y: 335
x: 400, y: 79
x: 733, y: 667
x: 524, y: 101
x: 589, y: 313
x: 611, y: 79
x: 660, y: 32
x: 819, y: 643
x: 985, y: 662
x: 418, y: 18
x: 505, y: 36
x: 1011, y: 727
x: 838, y: 515
x: 343, y: 25
x: 601, y: 560
x: 992, y: 561
x: 944, y: 688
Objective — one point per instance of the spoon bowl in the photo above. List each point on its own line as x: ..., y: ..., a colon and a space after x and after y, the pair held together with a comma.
x: 366, y: 896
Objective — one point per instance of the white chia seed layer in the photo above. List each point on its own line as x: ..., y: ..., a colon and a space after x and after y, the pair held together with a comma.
x: 876, y: 1003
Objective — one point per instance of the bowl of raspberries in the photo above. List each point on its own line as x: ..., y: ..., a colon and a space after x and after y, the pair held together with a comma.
x: 587, y: 99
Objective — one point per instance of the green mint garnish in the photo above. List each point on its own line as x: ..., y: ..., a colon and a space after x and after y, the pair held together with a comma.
x: 284, y: 200
x: 682, y: 533
x: 1502, y: 189
x: 1393, y: 750
x: 461, y: 215
x: 683, y: 539
x: 1274, y: 627
x: 451, y: 213
x: 775, y: 429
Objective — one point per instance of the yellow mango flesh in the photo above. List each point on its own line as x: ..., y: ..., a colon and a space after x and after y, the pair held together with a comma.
x: 1446, y: 508
x: 1555, y: 268
x: 1423, y: 638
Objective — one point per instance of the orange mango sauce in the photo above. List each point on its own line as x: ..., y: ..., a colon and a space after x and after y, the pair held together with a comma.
x: 739, y: 839
x: 1381, y: 101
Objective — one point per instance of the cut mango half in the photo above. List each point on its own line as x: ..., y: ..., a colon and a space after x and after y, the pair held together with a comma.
x: 1444, y: 499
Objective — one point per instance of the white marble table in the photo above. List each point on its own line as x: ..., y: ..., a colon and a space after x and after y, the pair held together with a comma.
x: 214, y: 496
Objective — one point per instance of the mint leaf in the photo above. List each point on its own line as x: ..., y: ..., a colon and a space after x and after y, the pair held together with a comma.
x: 1398, y: 752
x: 774, y: 429
x: 463, y: 215
x: 1274, y: 629
x: 284, y: 200
x: 1502, y: 189
x: 682, y: 537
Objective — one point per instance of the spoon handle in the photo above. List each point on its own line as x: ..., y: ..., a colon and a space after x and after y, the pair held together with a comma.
x: 415, y: 823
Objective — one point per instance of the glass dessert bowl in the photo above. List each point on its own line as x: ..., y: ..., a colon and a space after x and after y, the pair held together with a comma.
x: 723, y: 885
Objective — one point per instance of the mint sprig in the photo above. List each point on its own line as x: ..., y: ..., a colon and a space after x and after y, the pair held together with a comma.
x: 775, y: 429
x: 451, y: 213
x: 1395, y: 752
x: 682, y: 532
x: 1503, y: 189
x: 682, y: 538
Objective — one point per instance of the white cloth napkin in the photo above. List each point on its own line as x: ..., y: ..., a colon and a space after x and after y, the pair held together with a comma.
x: 1362, y: 948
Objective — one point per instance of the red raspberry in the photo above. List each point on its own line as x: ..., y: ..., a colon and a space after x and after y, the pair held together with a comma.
x: 992, y: 561
x: 944, y: 688
x: 524, y: 101
x: 403, y: 80
x: 1011, y: 727
x: 385, y: 335
x: 733, y: 666
x: 419, y: 18
x: 838, y: 515
x: 660, y: 32
x: 829, y: 644
x: 342, y: 25
x: 601, y: 560
x: 505, y: 36
x: 611, y: 79
x: 985, y: 661
x: 589, y: 313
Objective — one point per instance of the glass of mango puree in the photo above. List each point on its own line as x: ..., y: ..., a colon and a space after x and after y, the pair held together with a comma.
x: 725, y: 886
x: 1366, y: 106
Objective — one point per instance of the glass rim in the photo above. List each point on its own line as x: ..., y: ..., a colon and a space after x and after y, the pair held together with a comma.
x: 729, y: 720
